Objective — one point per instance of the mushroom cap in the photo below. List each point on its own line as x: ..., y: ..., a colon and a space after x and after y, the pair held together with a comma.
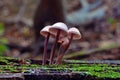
x: 45, y: 31
x: 75, y: 32
x: 59, y: 26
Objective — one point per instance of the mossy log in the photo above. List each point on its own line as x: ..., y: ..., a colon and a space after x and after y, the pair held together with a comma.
x: 18, y: 69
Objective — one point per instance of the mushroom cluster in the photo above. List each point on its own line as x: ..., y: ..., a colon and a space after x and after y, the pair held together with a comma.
x: 62, y: 35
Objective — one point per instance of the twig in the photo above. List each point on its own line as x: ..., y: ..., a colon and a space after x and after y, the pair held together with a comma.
x: 92, y: 51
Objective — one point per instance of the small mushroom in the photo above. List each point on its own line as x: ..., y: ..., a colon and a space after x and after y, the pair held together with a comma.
x: 64, y: 42
x: 73, y: 34
x: 59, y: 29
x: 45, y: 32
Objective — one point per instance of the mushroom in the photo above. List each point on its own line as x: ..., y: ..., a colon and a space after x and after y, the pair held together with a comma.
x: 64, y: 42
x: 73, y: 34
x: 59, y: 29
x: 45, y: 32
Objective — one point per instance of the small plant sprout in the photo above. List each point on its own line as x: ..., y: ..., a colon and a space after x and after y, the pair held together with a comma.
x: 64, y: 42
x: 58, y: 29
x: 45, y: 32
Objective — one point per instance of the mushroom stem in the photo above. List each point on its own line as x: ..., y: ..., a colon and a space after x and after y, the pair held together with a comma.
x: 60, y: 55
x: 63, y: 50
x: 54, y: 46
x: 45, y: 49
x: 59, y: 59
x: 71, y: 38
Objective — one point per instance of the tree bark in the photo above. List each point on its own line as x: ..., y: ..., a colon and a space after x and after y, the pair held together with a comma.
x: 47, y: 12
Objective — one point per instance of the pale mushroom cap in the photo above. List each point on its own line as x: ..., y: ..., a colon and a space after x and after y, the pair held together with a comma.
x: 59, y: 26
x: 45, y: 31
x: 75, y: 32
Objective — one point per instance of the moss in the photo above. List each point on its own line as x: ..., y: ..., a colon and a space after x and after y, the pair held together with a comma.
x: 96, y: 70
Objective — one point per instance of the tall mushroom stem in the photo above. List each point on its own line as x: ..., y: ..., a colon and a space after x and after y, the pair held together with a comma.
x: 45, y: 49
x: 54, y: 46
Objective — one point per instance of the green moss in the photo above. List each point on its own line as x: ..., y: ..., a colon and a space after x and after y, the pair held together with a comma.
x: 96, y: 70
